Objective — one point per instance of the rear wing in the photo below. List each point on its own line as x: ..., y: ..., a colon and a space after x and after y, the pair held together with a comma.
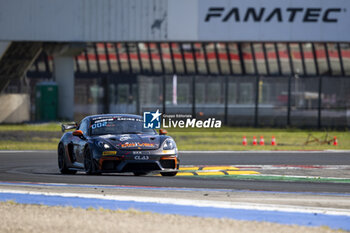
x: 68, y: 126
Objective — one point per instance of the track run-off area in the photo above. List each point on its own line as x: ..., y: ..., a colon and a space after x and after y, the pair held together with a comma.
x: 310, y: 188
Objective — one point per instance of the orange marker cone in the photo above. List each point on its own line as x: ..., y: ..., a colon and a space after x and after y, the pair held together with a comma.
x: 273, y: 141
x: 335, y: 141
x: 244, y: 142
x: 262, y: 141
x: 254, y: 141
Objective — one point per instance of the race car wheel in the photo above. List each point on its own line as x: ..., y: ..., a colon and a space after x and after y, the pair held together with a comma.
x: 168, y: 173
x: 62, y: 161
x: 89, y: 165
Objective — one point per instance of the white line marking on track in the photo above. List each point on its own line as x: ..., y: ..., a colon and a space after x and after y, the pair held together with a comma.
x: 207, y: 152
x: 263, y: 152
x: 197, y: 203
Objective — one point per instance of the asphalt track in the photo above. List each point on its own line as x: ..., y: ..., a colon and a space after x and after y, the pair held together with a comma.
x: 41, y: 166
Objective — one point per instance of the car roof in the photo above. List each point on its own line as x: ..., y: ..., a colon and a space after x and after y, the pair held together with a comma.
x: 112, y: 115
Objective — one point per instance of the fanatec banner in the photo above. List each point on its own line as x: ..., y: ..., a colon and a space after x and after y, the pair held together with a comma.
x: 274, y: 20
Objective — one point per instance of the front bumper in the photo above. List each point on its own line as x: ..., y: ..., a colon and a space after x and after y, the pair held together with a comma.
x: 138, y: 163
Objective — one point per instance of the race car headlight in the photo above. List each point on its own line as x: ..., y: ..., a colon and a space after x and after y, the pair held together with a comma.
x: 169, y: 144
x: 103, y: 145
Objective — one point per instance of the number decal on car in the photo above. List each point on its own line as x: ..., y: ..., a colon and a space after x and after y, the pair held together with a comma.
x: 141, y: 157
x: 99, y: 125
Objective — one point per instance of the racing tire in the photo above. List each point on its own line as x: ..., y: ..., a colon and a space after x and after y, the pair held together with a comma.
x: 168, y: 173
x: 62, y: 165
x: 140, y: 173
x: 89, y: 164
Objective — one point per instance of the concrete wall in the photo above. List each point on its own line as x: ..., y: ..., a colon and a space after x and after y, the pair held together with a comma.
x: 181, y: 20
x: 83, y: 20
x: 14, y: 108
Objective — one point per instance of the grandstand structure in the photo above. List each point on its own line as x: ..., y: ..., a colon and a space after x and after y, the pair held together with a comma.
x: 240, y: 83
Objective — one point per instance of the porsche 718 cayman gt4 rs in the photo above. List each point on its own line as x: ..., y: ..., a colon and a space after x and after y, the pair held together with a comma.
x: 116, y: 143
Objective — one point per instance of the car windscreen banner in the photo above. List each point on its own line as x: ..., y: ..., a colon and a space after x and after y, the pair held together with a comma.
x: 118, y: 125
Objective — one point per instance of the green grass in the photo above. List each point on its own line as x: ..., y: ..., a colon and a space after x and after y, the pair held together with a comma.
x: 225, y: 138
x: 49, y: 127
x: 33, y: 145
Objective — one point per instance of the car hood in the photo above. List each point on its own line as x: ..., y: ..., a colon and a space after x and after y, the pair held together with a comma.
x: 132, y: 141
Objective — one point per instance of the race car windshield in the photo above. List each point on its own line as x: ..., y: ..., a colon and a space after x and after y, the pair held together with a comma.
x: 119, y: 125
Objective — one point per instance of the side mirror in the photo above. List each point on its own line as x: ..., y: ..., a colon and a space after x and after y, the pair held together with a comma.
x: 162, y: 132
x: 78, y: 133
x: 68, y: 126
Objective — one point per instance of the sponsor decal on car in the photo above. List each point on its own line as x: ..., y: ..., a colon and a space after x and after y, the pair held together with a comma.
x: 109, y: 153
x: 137, y: 144
x: 141, y: 157
x: 141, y: 152
x: 124, y: 138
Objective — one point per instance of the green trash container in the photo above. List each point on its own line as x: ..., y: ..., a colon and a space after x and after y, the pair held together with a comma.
x: 46, y: 101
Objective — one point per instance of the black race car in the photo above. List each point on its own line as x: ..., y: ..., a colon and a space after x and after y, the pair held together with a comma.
x: 116, y: 143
